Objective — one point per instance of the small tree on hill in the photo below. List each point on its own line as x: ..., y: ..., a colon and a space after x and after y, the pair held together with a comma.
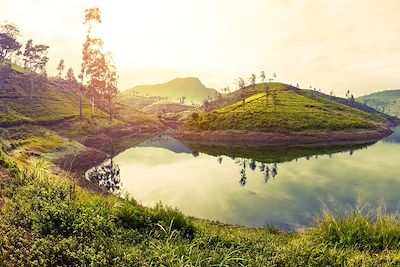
x: 70, y: 76
x: 274, y: 76
x: 262, y: 76
x: 252, y: 80
x: 60, y: 68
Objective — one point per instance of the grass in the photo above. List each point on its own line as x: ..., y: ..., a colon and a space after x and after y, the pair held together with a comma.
x: 46, y: 220
x: 290, y: 112
x: 50, y: 104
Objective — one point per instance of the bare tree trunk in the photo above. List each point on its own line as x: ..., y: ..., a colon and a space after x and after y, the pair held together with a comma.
x: 93, y: 107
x: 80, y: 105
x: 110, y: 106
x: 31, y: 93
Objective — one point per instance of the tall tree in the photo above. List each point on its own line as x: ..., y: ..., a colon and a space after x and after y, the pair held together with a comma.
x: 274, y: 76
x: 110, y: 89
x: 90, y: 53
x: 60, y: 68
x: 8, y: 40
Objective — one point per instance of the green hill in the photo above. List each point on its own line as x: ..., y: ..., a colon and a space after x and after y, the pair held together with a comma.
x: 191, y: 88
x: 32, y: 99
x: 384, y: 101
x: 292, y: 110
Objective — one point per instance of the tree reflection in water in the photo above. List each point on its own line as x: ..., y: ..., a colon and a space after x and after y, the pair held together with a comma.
x: 266, y: 159
x: 243, y: 177
x: 107, y: 176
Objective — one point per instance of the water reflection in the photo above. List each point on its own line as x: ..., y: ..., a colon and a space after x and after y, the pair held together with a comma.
x: 273, y: 154
x: 394, y: 138
x: 107, y: 176
x: 267, y: 158
x: 255, y: 186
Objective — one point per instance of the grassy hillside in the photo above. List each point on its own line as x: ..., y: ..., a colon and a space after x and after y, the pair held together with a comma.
x: 27, y: 98
x: 290, y: 111
x: 191, y: 88
x: 385, y: 101
x: 166, y: 107
x: 47, y: 104
x: 137, y: 101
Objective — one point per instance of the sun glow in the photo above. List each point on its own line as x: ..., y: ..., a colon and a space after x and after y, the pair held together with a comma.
x: 306, y: 42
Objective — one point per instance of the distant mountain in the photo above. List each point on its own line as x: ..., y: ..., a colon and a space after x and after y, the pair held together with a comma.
x: 384, y: 101
x: 191, y: 88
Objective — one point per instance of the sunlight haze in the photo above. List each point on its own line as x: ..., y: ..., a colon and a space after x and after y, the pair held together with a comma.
x: 332, y: 45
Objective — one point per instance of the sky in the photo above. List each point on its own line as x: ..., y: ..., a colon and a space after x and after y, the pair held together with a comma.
x: 332, y: 45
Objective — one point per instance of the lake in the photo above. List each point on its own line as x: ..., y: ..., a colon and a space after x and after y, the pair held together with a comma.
x: 286, y: 187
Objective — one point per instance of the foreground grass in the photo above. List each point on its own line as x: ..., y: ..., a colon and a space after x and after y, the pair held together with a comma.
x: 45, y: 220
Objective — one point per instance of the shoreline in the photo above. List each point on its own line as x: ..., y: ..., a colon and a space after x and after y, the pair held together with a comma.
x: 98, y: 149
x: 102, y: 146
x: 277, y: 139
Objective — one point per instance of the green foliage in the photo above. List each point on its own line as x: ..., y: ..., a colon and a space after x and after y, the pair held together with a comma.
x: 282, y: 110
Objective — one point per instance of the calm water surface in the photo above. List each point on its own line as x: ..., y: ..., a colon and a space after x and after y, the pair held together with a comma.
x: 285, y: 187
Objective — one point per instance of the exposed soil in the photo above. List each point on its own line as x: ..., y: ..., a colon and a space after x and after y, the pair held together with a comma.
x: 292, y: 138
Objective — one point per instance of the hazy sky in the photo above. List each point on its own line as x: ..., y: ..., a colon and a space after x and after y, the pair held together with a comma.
x: 332, y: 45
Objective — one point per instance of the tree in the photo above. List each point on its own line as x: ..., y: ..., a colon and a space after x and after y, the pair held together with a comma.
x: 35, y: 56
x: 90, y: 51
x: 226, y: 89
x: 35, y: 59
x: 70, y: 76
x: 8, y: 40
x: 252, y: 80
x: 182, y: 99
x: 240, y: 83
x: 110, y: 89
x: 262, y: 76
x: 274, y: 76
x: 60, y: 68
